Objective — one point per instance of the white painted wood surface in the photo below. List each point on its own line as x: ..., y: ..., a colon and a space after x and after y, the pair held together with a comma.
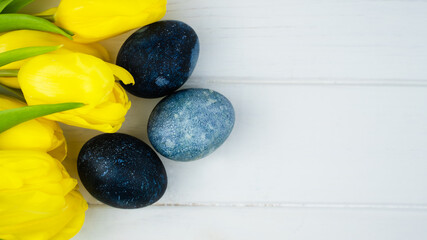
x: 334, y: 144
x: 196, y: 223
x: 330, y: 140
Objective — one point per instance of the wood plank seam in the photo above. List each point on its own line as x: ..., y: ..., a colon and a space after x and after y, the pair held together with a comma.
x: 308, y: 81
x: 415, y: 207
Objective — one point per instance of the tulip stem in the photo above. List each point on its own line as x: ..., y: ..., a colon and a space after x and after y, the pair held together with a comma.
x: 50, y: 18
x: 11, y: 92
x: 9, y: 72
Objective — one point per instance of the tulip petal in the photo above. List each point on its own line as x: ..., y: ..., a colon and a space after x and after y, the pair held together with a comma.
x: 106, y: 117
x: 38, y: 199
x: 95, y: 20
x: 77, y: 77
x: 30, y: 38
x: 71, y: 77
x: 122, y: 74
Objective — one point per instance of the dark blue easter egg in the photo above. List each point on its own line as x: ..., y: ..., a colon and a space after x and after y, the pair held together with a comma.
x: 121, y: 171
x: 160, y: 56
x: 190, y: 124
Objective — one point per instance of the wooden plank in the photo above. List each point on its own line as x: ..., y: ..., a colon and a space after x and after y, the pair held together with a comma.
x: 251, y: 223
x: 305, y: 161
x: 310, y: 144
x: 310, y: 41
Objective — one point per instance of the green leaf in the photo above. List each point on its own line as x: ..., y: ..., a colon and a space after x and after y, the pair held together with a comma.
x: 16, y: 5
x: 67, y: 31
x: 17, y: 21
x: 11, y: 92
x: 23, y: 53
x: 4, y: 3
x: 15, y: 116
x: 50, y: 18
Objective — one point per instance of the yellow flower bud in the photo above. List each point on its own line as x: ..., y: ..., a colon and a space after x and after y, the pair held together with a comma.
x: 77, y: 77
x: 38, y: 134
x: 38, y: 198
x: 95, y: 20
x: 29, y: 38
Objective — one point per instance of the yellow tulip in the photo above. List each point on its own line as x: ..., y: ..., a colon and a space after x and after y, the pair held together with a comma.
x: 38, y: 198
x: 38, y: 134
x: 30, y: 38
x: 95, y: 20
x: 77, y: 77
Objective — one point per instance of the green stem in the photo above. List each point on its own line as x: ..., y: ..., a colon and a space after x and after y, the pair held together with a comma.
x: 11, y: 92
x: 15, y: 116
x: 16, y: 21
x: 9, y: 72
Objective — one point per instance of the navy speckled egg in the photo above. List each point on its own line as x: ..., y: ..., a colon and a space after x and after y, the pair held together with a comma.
x: 190, y: 124
x: 121, y: 171
x: 160, y: 56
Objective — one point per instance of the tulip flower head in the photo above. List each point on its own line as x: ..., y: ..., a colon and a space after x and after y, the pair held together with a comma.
x: 78, y: 77
x: 95, y: 20
x: 38, y: 199
x: 38, y: 134
x: 30, y: 38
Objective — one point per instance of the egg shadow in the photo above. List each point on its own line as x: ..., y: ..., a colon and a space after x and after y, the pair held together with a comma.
x: 137, y: 117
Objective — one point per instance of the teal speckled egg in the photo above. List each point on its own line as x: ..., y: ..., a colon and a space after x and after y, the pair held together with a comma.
x: 190, y: 124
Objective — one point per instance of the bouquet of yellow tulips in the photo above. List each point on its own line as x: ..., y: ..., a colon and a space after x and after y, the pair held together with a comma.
x: 52, y: 69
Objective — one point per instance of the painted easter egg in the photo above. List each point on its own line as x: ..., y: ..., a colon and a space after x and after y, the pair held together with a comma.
x: 190, y: 124
x: 160, y: 56
x: 121, y: 171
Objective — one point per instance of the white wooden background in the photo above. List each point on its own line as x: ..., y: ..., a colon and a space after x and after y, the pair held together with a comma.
x: 330, y: 140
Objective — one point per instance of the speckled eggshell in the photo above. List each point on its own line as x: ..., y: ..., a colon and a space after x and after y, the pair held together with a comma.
x: 121, y: 171
x: 160, y: 56
x: 190, y: 124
